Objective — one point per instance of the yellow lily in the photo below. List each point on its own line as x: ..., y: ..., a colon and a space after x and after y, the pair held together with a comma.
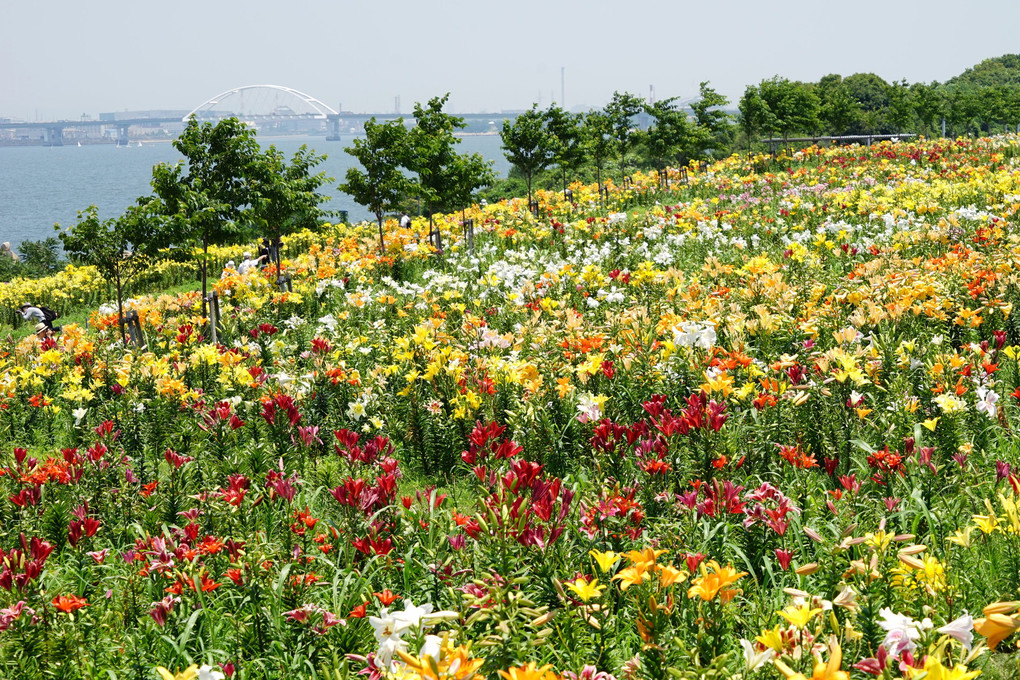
x: 799, y: 616
x: 605, y: 560
x: 189, y: 673
x: 822, y: 671
x: 668, y: 575
x: 585, y: 590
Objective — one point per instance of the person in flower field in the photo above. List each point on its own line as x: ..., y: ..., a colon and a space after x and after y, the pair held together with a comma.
x: 40, y: 314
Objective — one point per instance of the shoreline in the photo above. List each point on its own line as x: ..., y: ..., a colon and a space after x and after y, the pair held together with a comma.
x: 14, y: 144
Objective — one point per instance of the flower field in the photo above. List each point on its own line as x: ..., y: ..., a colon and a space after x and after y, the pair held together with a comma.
x: 759, y: 425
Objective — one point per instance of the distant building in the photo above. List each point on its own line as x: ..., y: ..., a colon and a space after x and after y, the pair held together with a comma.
x: 137, y: 115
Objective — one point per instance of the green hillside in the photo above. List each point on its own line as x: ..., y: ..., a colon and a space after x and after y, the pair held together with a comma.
x: 998, y: 72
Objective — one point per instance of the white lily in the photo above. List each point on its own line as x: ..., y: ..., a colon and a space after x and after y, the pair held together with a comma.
x: 753, y: 658
x: 960, y: 629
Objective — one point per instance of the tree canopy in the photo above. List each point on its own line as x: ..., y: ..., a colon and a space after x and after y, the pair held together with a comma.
x: 670, y: 133
x: 382, y: 184
x: 421, y: 162
x: 621, y: 110
x: 528, y: 144
x: 286, y: 196
x: 444, y: 179
x: 228, y: 189
x: 1001, y: 71
x: 565, y: 129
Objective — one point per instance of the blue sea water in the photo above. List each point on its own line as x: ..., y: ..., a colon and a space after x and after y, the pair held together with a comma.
x: 40, y: 186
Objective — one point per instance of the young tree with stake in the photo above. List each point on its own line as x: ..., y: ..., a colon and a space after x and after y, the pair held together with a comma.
x: 119, y: 248
x: 382, y: 183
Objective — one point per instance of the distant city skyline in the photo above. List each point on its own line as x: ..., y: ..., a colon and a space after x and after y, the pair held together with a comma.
x: 114, y: 55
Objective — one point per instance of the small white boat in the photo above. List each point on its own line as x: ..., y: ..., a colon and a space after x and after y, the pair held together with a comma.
x: 79, y: 144
x: 139, y: 143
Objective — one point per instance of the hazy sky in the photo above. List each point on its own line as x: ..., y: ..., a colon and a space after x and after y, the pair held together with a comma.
x: 61, y: 59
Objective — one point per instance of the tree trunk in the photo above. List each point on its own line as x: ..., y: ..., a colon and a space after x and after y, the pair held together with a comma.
x: 382, y: 244
x: 205, y: 268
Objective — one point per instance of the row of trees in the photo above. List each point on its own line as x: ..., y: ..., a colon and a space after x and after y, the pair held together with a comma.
x: 226, y: 190
x: 655, y: 135
x: 229, y: 190
x: 401, y: 163
x: 418, y: 163
x: 627, y: 130
x: 865, y: 104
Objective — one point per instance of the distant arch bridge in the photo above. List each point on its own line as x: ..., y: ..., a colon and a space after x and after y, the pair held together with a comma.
x: 274, y: 109
x: 282, y: 109
x: 268, y: 103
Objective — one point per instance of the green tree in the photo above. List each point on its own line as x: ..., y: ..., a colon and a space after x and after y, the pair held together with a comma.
x: 901, y: 109
x: 793, y: 105
x: 872, y: 94
x: 870, y: 91
x: 670, y: 134
x: 1011, y: 107
x: 838, y: 112
x: 755, y: 117
x: 597, y: 140
x: 962, y: 108
x: 528, y: 145
x: 466, y: 175
x: 714, y: 127
x: 928, y: 105
x: 286, y: 198
x: 382, y: 183
x: 444, y: 179
x: 621, y: 110
x: 565, y: 130
x: 208, y: 198
x: 40, y: 258
x: 991, y: 106
x: 119, y: 248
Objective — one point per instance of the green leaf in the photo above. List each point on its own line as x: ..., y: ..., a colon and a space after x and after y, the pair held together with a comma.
x: 281, y: 580
x: 185, y: 636
x: 863, y: 446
